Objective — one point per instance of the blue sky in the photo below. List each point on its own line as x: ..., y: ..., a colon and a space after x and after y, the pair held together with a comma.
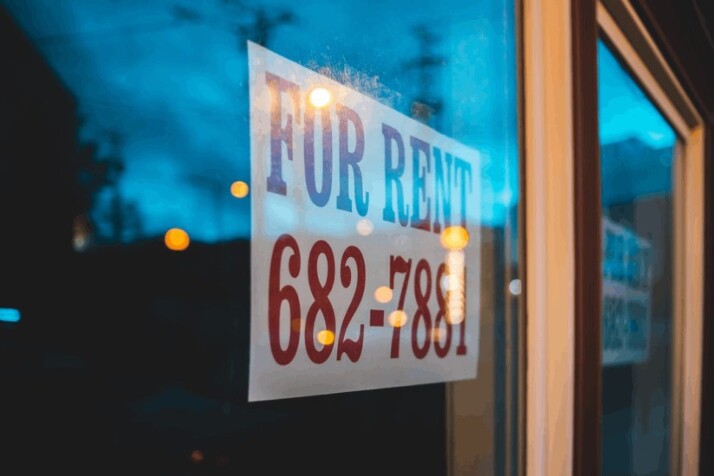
x: 169, y: 78
x: 631, y: 169
x: 624, y: 109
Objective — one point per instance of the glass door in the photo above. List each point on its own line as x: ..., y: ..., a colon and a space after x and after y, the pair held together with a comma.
x: 133, y: 336
x: 651, y: 164
x: 637, y: 158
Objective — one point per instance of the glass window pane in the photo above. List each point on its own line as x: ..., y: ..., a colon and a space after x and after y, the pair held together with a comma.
x: 637, y: 152
x: 125, y: 167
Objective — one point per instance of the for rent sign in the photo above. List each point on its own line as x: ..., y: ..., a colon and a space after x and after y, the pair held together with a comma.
x: 365, y: 241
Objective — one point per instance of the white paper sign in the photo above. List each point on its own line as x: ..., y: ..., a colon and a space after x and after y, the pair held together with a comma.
x: 362, y: 276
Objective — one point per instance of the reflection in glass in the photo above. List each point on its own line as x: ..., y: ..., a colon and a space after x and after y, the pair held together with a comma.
x: 176, y: 239
x: 455, y: 289
x: 132, y: 119
x: 325, y: 337
x: 9, y: 315
x: 454, y: 238
x: 365, y: 227
x: 383, y: 294
x: 197, y: 456
x: 320, y: 97
x: 637, y: 148
x: 161, y: 105
x: 397, y: 318
x: 239, y: 189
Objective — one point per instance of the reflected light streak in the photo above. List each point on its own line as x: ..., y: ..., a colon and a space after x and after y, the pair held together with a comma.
x: 383, y: 294
x: 320, y: 97
x: 239, y: 189
x: 398, y: 318
x: 450, y: 283
x: 326, y: 337
x: 455, y: 295
x: 176, y: 239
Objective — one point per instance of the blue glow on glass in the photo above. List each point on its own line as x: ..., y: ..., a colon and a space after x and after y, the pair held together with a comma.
x: 9, y: 315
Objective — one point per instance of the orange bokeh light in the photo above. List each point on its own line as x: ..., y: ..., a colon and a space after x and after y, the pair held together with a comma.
x: 176, y: 239
x: 240, y: 189
x: 325, y: 337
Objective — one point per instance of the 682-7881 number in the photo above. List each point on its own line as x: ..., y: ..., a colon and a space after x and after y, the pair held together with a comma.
x: 439, y: 330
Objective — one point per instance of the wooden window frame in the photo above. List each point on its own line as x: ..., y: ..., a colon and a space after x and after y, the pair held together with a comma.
x: 550, y: 236
x: 562, y: 229
x: 623, y: 28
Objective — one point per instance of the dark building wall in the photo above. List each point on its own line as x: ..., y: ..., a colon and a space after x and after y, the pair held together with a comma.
x: 38, y: 130
x: 38, y: 125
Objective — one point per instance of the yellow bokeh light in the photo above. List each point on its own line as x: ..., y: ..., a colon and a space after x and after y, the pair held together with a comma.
x: 383, y: 294
x: 239, y: 189
x: 176, y: 239
x: 320, y: 97
x: 325, y: 337
x: 398, y: 318
x: 454, y: 238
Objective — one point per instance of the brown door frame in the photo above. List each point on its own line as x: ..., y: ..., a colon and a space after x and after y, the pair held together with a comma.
x: 587, y: 217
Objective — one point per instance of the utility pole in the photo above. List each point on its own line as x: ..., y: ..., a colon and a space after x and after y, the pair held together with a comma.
x: 426, y: 105
x: 259, y: 30
x: 114, y: 168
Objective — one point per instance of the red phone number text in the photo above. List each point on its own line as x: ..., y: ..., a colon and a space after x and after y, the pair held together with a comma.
x: 320, y: 305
